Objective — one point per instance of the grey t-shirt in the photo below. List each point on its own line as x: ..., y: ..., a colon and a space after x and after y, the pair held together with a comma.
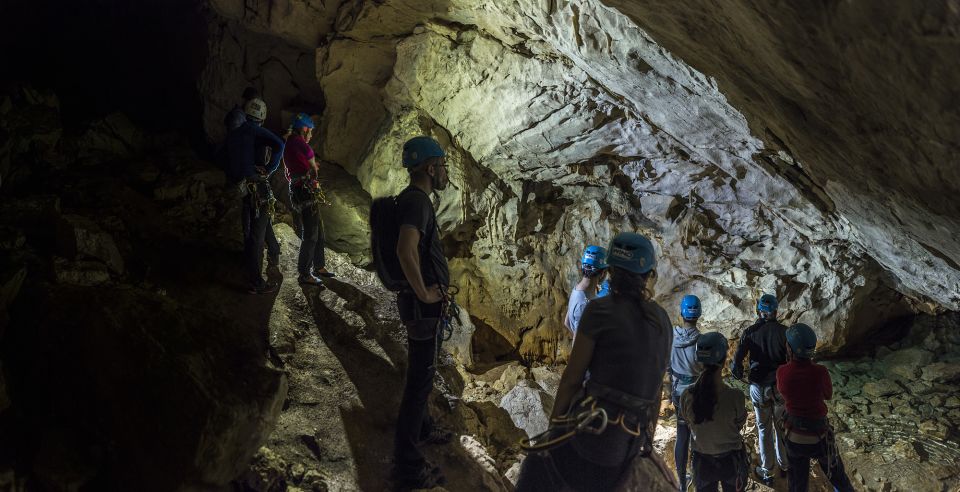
x: 722, y: 433
x: 575, y: 306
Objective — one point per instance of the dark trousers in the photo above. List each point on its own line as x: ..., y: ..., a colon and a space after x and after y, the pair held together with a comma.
x: 256, y: 224
x: 311, y: 231
x: 730, y: 470
x: 799, y: 456
x: 414, y: 420
x: 563, y: 469
x: 681, y: 451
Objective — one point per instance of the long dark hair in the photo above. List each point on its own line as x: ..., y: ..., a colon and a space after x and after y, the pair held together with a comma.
x: 704, y: 393
x: 624, y: 283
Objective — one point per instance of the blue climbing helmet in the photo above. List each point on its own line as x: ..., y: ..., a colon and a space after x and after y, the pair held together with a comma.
x: 767, y: 304
x: 632, y: 252
x: 419, y: 149
x: 690, y: 307
x: 302, y: 120
x: 711, y: 348
x: 592, y: 263
x: 604, y: 289
x: 802, y: 340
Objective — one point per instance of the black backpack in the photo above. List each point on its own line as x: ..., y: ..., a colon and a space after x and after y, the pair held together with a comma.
x: 384, y: 233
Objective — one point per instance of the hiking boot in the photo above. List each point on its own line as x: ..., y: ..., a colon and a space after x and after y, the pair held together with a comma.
x: 309, y: 279
x: 765, y: 476
x: 437, y: 435
x: 323, y: 272
x: 427, y: 477
x: 264, y: 288
x: 273, y: 261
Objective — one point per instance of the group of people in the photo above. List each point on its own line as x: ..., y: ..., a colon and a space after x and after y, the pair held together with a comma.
x: 253, y: 153
x: 608, y: 398
x: 622, y: 345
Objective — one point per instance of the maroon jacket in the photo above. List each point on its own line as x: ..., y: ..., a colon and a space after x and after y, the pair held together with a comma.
x: 804, y: 386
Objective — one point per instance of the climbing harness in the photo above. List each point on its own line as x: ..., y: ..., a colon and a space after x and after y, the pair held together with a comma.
x: 449, y: 313
x: 820, y: 428
x: 260, y: 193
x: 311, y: 185
x: 595, y: 419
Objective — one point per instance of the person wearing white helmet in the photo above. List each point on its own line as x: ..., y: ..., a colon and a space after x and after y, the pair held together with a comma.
x: 599, y: 424
x: 243, y: 169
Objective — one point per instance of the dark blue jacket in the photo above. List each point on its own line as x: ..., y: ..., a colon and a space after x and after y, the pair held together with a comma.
x: 241, y: 150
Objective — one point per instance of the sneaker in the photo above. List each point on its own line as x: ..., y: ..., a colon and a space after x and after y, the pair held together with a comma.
x: 766, y: 477
x: 309, y: 279
x: 323, y: 272
x: 264, y: 288
x: 437, y: 435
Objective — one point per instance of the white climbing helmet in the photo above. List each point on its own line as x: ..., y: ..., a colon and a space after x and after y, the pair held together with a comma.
x: 256, y: 109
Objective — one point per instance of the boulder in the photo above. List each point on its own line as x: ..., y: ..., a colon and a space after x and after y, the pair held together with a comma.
x: 547, y: 377
x: 905, y: 450
x: 81, y: 238
x: 907, y: 363
x: 882, y: 388
x: 529, y: 407
x: 935, y: 429
x: 942, y: 372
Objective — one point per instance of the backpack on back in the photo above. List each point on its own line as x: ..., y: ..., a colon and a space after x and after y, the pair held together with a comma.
x: 384, y: 234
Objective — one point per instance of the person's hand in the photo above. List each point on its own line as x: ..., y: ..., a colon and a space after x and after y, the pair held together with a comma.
x: 433, y: 295
x: 261, y: 170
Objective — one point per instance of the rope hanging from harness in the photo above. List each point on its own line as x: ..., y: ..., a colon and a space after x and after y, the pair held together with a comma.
x: 260, y: 193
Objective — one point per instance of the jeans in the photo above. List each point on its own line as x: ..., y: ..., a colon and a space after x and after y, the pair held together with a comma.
x: 256, y: 224
x: 730, y: 470
x: 311, y: 232
x: 799, y: 474
x: 681, y: 450
x: 414, y: 420
x: 767, y: 433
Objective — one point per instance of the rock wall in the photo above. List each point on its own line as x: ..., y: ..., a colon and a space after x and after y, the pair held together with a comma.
x: 570, y: 121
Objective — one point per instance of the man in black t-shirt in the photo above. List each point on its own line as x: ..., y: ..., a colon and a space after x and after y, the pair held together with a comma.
x: 425, y: 268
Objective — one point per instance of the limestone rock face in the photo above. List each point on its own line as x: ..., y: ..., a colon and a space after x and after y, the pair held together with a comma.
x: 570, y: 121
x: 529, y: 408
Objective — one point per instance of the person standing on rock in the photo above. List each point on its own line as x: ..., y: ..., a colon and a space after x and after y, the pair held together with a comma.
x: 716, y: 415
x: 592, y: 270
x: 300, y: 165
x: 424, y: 266
x: 805, y: 385
x: 684, y: 370
x: 766, y: 344
x: 624, y: 341
x: 242, y: 168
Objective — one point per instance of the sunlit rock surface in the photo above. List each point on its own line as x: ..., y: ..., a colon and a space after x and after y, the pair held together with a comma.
x: 566, y: 123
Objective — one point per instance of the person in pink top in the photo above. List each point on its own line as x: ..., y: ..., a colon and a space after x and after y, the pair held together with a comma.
x: 300, y: 166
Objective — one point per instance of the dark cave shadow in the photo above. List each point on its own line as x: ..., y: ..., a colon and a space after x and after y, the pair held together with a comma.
x: 379, y: 387
x: 365, y: 306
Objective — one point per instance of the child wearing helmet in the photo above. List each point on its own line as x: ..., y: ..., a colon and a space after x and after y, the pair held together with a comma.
x: 592, y: 269
x: 805, y: 385
x: 716, y: 415
x: 684, y: 370
x: 623, y: 340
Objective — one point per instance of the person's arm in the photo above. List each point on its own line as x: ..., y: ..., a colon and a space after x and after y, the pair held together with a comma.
x: 410, y: 264
x: 276, y: 146
x: 736, y: 366
x: 573, y: 374
x: 827, y: 384
x: 741, y: 418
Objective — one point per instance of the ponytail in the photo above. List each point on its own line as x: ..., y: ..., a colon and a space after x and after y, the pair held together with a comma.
x: 704, y: 393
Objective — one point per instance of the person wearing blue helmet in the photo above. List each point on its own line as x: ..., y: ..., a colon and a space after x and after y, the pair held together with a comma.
x: 684, y: 370
x: 623, y: 341
x: 593, y: 266
x: 424, y: 266
x: 805, y: 385
x: 300, y: 166
x: 716, y: 415
x: 765, y: 342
